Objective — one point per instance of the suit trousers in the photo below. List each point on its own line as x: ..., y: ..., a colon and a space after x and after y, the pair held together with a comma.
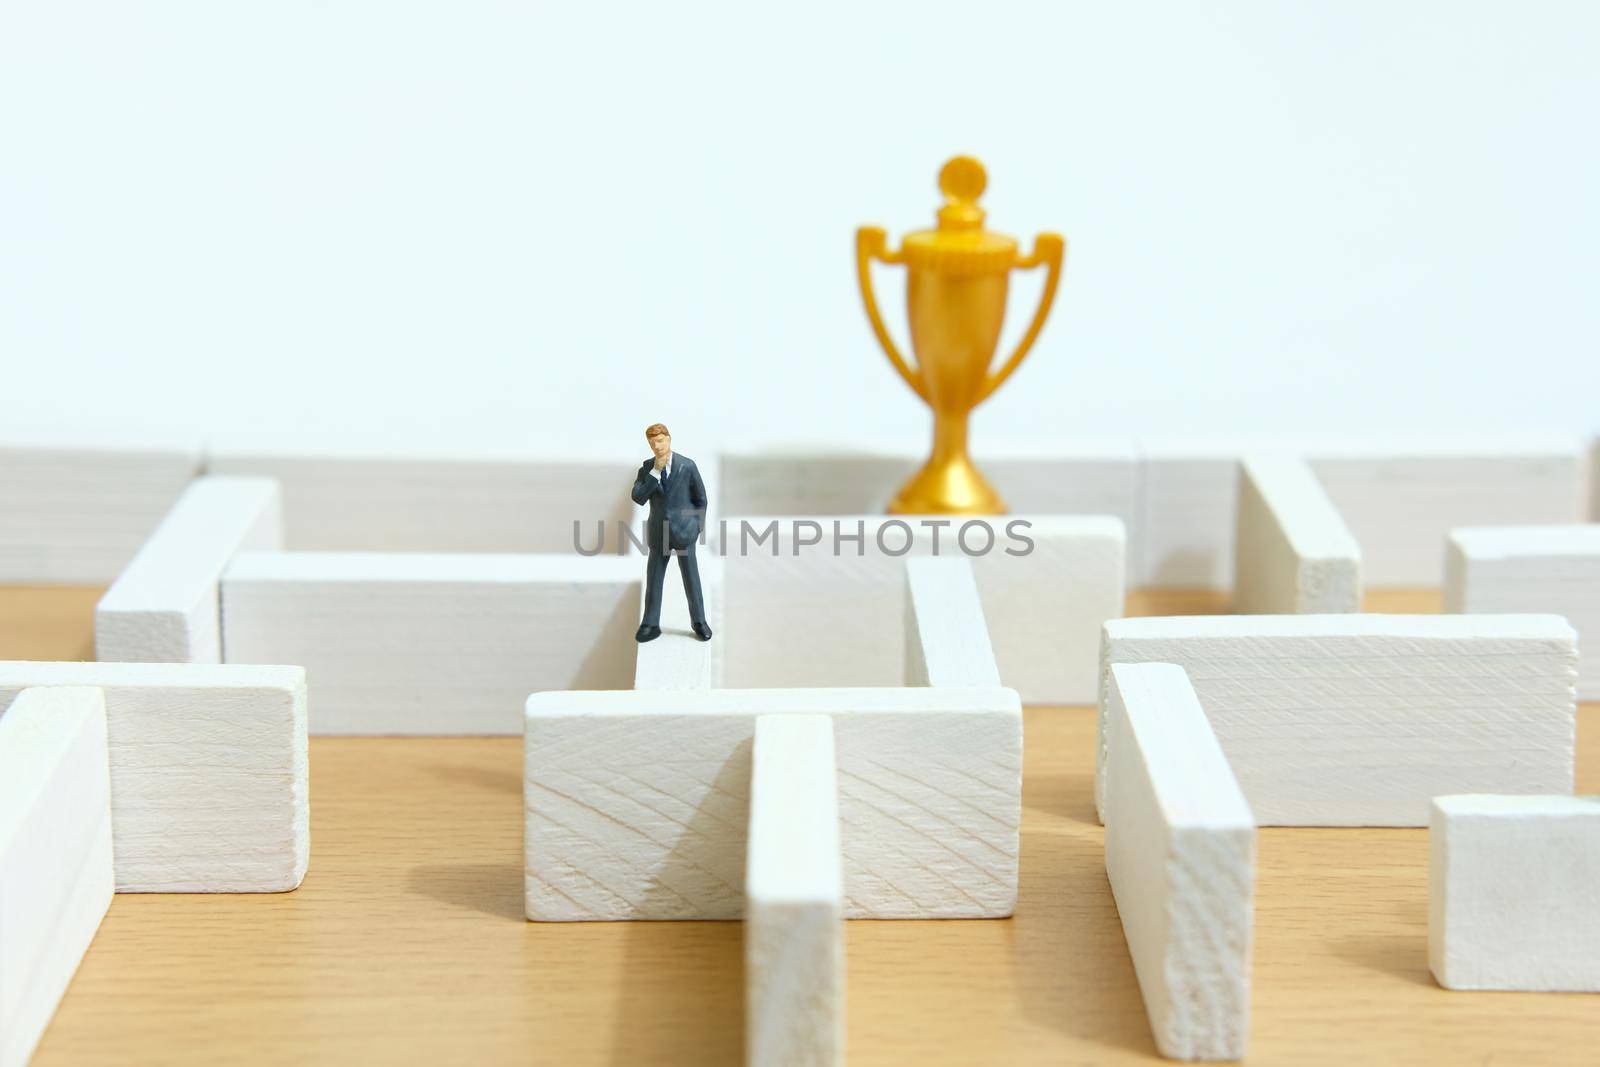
x: 655, y: 574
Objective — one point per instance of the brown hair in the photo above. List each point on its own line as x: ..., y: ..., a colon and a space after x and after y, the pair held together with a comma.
x: 656, y: 428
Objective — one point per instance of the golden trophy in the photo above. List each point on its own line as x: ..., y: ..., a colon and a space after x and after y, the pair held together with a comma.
x: 956, y: 302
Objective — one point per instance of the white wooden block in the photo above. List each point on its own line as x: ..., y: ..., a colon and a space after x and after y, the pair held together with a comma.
x: 1358, y: 720
x: 1180, y: 854
x: 349, y: 495
x: 1594, y: 482
x: 55, y: 854
x: 1046, y: 477
x: 812, y: 478
x: 164, y: 606
x: 433, y: 644
x: 1184, y: 537
x: 75, y: 512
x: 1514, y: 893
x: 1067, y: 476
x: 208, y: 771
x: 1398, y: 496
x: 637, y: 803
x: 947, y: 640
x: 1401, y: 498
x: 794, y: 896
x: 1295, y: 556
x: 809, y: 617
x: 678, y: 659
x: 1545, y: 569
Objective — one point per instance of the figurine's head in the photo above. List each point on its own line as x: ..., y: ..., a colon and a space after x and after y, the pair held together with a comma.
x: 660, y: 440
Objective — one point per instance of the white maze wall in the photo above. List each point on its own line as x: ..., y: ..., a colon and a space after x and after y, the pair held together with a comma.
x: 431, y: 593
x: 78, y: 510
x: 378, y: 576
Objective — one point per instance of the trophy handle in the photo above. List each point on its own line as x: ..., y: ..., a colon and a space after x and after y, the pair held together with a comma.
x: 872, y: 243
x: 1048, y: 249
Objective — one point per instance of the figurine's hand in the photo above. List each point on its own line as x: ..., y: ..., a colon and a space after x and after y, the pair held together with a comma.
x: 661, y: 461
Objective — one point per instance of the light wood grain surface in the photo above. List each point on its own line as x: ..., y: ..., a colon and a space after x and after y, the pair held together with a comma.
x: 407, y: 943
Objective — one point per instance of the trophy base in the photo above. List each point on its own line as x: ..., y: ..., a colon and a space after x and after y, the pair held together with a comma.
x: 950, y: 486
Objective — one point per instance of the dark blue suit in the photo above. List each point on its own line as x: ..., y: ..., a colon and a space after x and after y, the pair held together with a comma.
x: 677, y: 511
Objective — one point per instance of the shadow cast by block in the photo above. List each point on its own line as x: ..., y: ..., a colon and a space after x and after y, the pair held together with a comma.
x: 695, y: 1007
x: 480, y: 777
x: 494, y: 889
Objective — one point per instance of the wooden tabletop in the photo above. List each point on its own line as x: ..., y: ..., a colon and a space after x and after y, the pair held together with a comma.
x: 407, y: 942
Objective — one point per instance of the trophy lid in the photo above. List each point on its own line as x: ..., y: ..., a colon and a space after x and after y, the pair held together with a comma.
x: 960, y: 244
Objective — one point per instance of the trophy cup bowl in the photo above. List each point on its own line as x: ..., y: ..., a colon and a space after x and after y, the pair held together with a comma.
x: 956, y: 286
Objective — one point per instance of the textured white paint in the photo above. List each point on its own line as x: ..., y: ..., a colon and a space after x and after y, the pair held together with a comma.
x: 433, y: 644
x: 818, y: 618
x: 794, y: 896
x: 947, y: 640
x: 1358, y: 720
x: 164, y: 606
x: 1514, y: 892
x: 76, y: 512
x: 1180, y: 848
x: 637, y: 803
x: 55, y: 854
x: 1294, y: 555
x: 1549, y: 569
x: 678, y: 659
x: 1401, y: 498
x: 209, y: 775
x: 345, y: 494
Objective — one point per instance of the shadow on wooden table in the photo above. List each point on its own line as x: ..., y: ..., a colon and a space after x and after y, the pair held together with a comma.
x: 1399, y: 956
x: 1069, y: 962
x: 494, y: 779
x: 493, y: 889
x: 680, y: 996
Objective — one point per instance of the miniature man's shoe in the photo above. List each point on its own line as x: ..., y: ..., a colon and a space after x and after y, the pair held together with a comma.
x: 647, y: 633
x: 702, y: 631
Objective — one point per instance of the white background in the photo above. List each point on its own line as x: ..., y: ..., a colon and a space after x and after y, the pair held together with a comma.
x: 559, y: 223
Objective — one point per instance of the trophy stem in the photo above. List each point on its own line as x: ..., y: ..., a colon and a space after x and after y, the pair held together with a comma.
x: 949, y: 483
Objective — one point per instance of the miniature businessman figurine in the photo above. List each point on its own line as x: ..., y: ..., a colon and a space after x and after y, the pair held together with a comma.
x: 671, y: 485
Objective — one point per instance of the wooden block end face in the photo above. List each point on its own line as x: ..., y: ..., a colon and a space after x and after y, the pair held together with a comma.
x: 634, y: 816
x: 932, y: 806
x: 208, y: 768
x: 637, y: 803
x: 1180, y: 855
x: 1294, y: 553
x: 234, y: 815
x: 137, y: 636
x: 1514, y: 888
x: 794, y: 983
x: 1211, y: 873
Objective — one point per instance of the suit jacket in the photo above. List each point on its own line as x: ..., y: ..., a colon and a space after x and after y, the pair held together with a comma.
x: 682, y: 502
